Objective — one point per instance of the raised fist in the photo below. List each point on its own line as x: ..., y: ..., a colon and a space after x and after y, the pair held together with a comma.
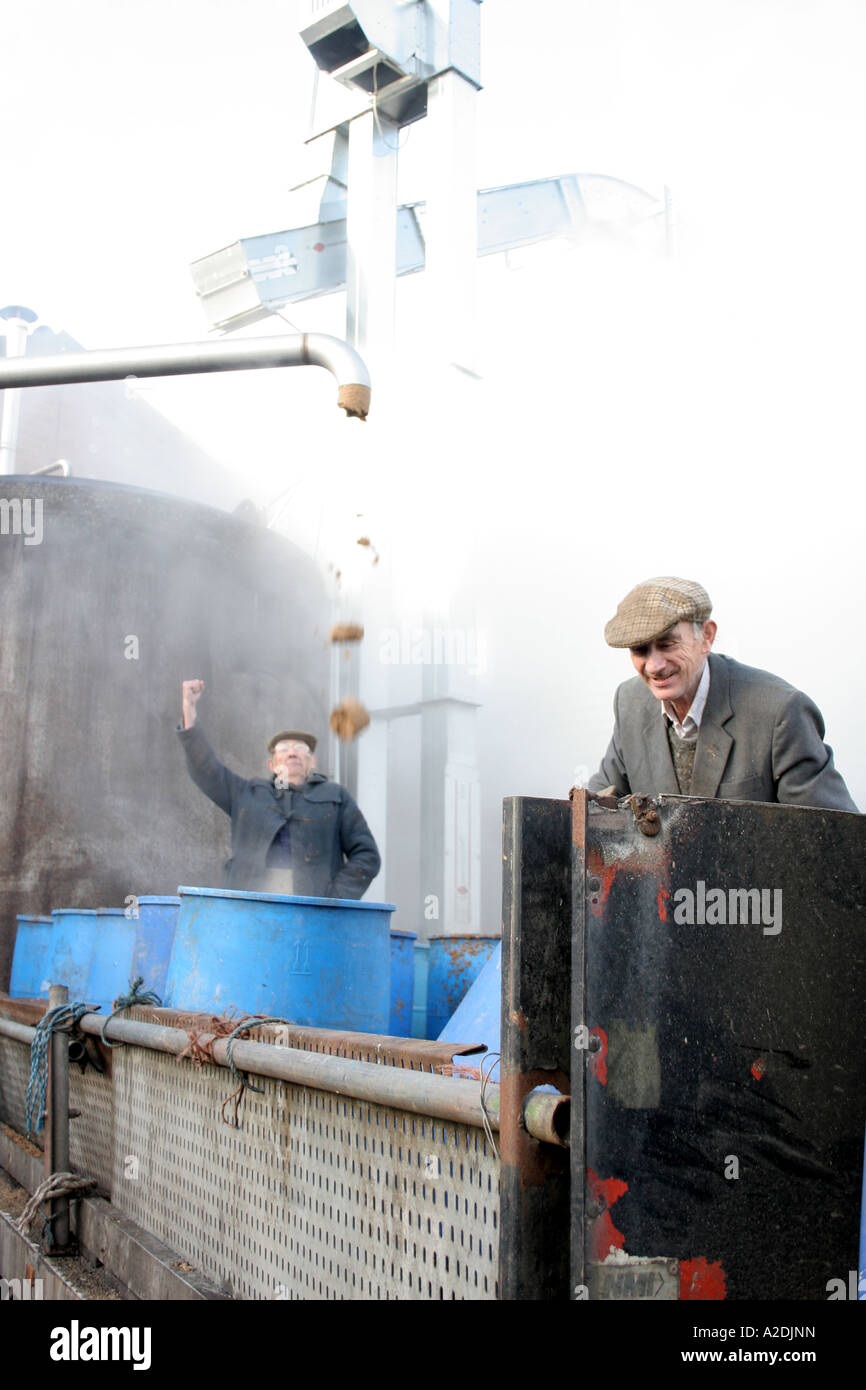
x: 191, y: 691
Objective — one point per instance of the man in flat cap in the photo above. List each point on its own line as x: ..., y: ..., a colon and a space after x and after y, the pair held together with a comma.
x: 699, y: 724
x: 294, y: 832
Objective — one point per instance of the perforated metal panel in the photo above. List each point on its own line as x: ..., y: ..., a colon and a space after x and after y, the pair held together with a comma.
x: 14, y: 1075
x: 91, y: 1134
x: 315, y: 1196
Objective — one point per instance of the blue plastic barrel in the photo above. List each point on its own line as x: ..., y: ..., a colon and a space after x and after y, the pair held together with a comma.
x: 154, y: 937
x: 319, y: 962
x: 402, y: 983
x: 419, y: 1007
x: 455, y: 962
x: 478, y: 1017
x: 111, y: 962
x: 70, y: 952
x: 28, y: 963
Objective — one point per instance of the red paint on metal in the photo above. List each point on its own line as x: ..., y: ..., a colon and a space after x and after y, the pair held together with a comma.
x: 700, y: 1280
x: 758, y: 1067
x: 607, y: 873
x: 660, y: 899
x: 598, y: 1060
x: 603, y: 1235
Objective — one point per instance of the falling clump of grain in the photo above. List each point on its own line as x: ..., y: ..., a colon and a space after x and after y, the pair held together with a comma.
x: 348, y: 719
x: 346, y: 632
x: 368, y: 545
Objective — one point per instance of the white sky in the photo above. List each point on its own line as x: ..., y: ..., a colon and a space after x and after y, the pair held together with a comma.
x: 636, y: 416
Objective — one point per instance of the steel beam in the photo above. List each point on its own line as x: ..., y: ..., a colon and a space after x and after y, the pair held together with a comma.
x: 57, y: 1137
x: 536, y: 942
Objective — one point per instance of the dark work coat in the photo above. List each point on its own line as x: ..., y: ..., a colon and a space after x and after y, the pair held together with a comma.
x: 333, y: 853
x: 760, y: 740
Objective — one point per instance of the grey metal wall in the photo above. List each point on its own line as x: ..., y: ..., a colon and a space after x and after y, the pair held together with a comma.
x: 95, y: 802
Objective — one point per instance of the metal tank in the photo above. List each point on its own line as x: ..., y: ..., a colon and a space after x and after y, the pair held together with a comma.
x: 111, y: 596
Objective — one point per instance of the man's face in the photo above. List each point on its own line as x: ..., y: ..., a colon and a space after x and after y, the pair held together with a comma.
x: 671, y: 665
x: 291, y: 763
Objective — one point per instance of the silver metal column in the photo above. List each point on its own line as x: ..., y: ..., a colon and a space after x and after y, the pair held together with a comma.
x: 18, y: 322
x: 451, y: 223
x: 371, y: 230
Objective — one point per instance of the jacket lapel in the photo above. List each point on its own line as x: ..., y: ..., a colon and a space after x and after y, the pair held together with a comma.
x: 714, y: 741
x: 663, y: 778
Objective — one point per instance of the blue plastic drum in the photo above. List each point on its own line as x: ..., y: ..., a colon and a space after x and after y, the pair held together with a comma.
x: 112, y: 957
x: 70, y: 953
x: 319, y: 962
x: 154, y: 937
x: 28, y: 963
x: 455, y: 963
x: 478, y: 1018
x: 402, y: 983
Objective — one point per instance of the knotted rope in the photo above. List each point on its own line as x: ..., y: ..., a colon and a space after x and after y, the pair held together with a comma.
x: 136, y: 995
x: 254, y: 1021
x: 57, y: 1185
x: 62, y: 1019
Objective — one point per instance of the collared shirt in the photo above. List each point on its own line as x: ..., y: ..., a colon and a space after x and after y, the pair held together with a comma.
x: 690, y: 727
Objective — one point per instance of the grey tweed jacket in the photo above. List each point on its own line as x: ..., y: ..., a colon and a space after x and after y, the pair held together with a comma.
x: 760, y: 740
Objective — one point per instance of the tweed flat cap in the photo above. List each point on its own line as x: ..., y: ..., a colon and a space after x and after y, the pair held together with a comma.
x: 293, y: 736
x: 654, y: 606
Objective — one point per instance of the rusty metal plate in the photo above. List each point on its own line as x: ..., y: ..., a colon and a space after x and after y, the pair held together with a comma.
x: 644, y: 1281
x: 416, y: 1054
x: 724, y: 1048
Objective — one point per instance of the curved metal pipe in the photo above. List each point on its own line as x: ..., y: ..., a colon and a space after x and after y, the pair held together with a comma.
x: 175, y: 359
x: 61, y: 467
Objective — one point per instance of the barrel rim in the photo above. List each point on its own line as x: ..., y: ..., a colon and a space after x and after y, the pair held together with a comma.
x: 187, y: 890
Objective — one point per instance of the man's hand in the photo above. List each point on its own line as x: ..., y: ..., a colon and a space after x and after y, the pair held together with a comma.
x: 191, y: 692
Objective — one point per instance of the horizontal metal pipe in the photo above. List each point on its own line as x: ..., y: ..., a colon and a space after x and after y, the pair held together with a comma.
x: 19, y: 1031
x: 173, y: 359
x: 419, y: 1092
x: 545, y: 1115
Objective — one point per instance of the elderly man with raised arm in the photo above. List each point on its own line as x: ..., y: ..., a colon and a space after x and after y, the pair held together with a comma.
x: 293, y: 832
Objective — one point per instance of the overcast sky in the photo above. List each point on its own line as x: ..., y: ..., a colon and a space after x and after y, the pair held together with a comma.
x: 636, y: 416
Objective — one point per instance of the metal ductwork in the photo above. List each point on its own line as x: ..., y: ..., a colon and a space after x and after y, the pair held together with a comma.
x: 391, y: 50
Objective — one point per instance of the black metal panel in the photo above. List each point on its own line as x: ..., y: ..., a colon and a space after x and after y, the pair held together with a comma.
x: 725, y: 1108
x: 536, y: 943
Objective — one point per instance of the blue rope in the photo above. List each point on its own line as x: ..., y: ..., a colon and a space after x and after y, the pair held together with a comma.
x: 63, y: 1018
x: 136, y: 995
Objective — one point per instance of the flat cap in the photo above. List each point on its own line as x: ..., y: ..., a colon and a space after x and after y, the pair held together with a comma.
x: 654, y: 606
x: 293, y: 736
